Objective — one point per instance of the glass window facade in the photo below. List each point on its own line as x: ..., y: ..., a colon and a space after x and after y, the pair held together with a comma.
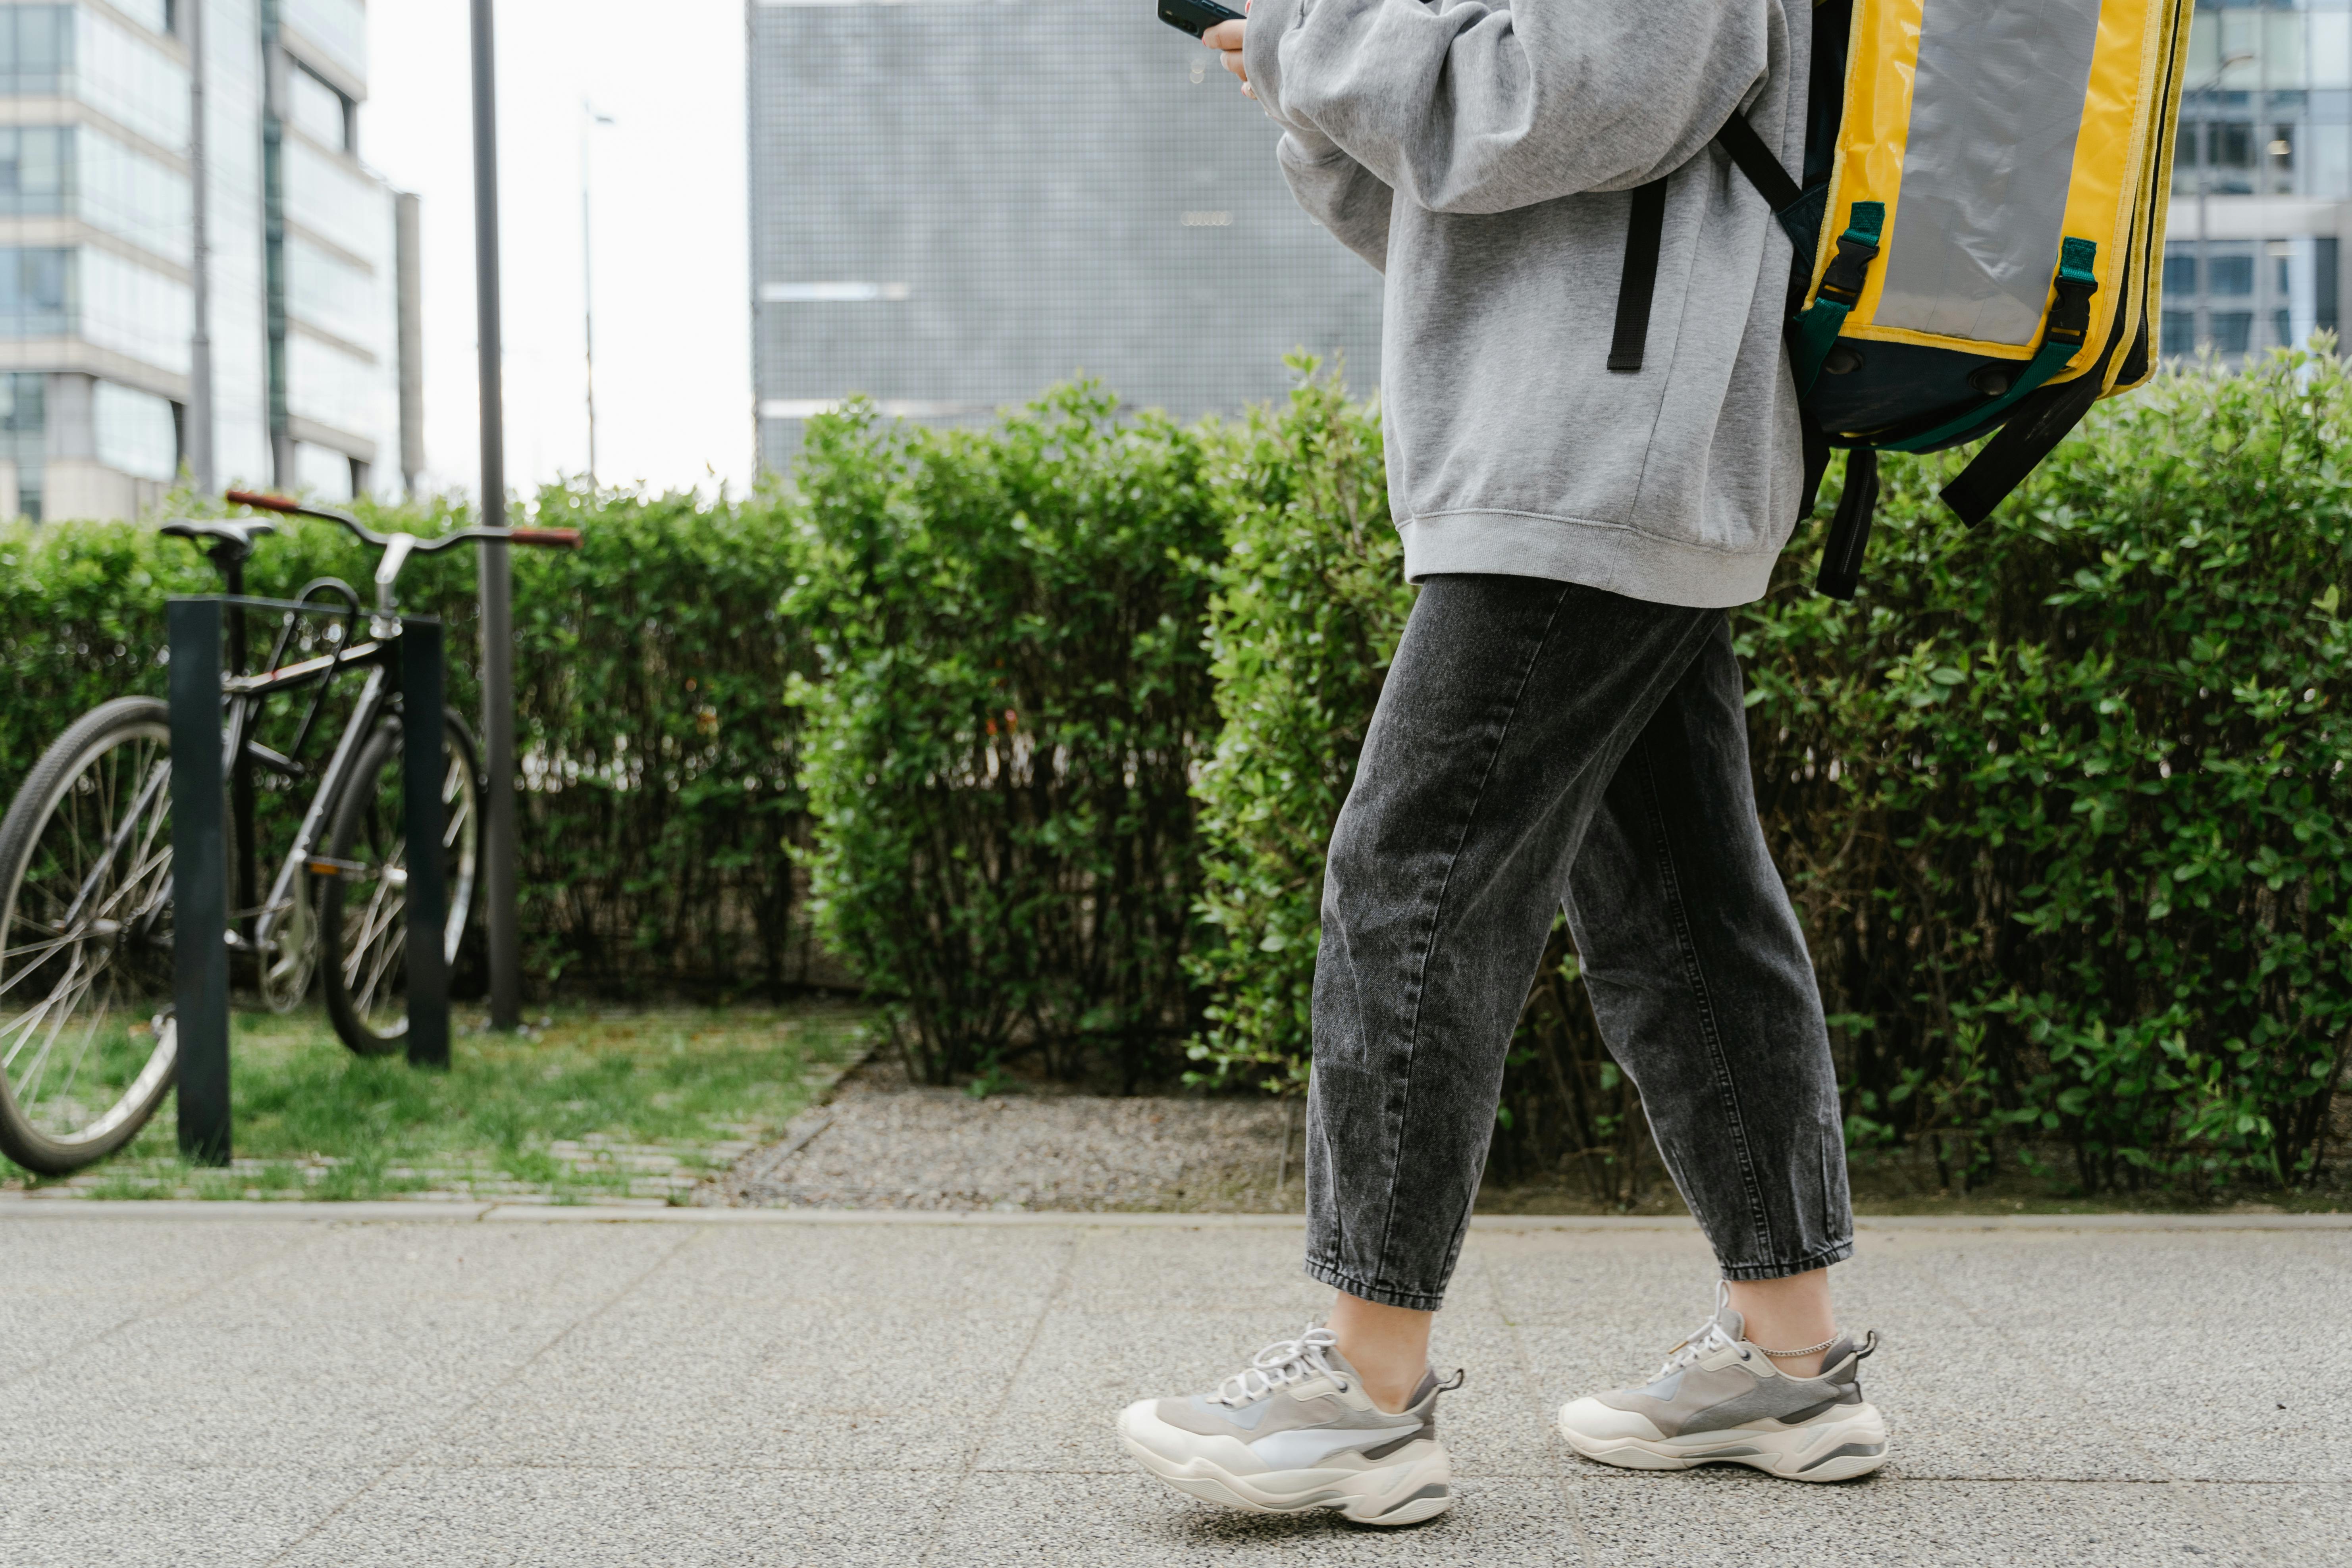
x: 2263, y: 158
x: 101, y: 177
x: 323, y: 473
x: 339, y: 28
x: 57, y: 291
x: 336, y: 203
x: 80, y: 172
x: 326, y: 291
x: 2266, y: 105
x: 125, y: 76
x: 2248, y: 296
x: 337, y: 388
x: 134, y: 309
x: 155, y: 15
x: 133, y: 432
x: 38, y: 297
x: 36, y: 48
x: 131, y: 195
x: 36, y: 170
x: 317, y: 110
x: 23, y: 435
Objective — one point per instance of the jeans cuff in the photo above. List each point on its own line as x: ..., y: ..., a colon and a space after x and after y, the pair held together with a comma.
x: 1339, y: 1280
x: 1836, y: 1252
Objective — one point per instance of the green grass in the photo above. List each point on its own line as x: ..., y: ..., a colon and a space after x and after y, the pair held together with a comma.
x: 593, y: 1106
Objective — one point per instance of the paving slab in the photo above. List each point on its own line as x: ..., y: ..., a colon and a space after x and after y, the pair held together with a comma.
x: 163, y: 1516
x: 328, y: 1386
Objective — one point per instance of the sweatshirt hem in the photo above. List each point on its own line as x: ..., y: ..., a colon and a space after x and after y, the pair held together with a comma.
x: 1609, y: 557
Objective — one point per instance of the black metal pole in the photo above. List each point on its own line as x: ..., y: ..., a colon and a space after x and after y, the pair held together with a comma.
x: 199, y: 881
x: 198, y: 443
x: 497, y: 582
x: 424, y: 763
x: 243, y: 867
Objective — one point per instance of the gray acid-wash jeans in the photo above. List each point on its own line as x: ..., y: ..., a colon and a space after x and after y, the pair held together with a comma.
x: 1540, y: 746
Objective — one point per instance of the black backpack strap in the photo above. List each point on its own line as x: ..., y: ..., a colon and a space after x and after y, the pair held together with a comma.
x: 1841, y: 571
x: 2029, y: 436
x: 1644, y: 231
x: 1756, y: 160
x: 1815, y: 444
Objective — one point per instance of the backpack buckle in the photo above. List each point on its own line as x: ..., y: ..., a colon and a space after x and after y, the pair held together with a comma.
x: 2070, y: 316
x: 1842, y: 280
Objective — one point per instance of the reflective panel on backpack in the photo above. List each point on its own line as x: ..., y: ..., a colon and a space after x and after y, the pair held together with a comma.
x: 2001, y: 145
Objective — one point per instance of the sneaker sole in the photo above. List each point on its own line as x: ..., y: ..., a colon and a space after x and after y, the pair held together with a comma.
x: 1853, y: 1444
x: 1415, y: 1485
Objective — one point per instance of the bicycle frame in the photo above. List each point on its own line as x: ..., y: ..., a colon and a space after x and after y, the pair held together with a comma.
x: 245, y: 696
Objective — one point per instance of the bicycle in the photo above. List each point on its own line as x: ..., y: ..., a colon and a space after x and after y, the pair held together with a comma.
x: 87, y: 1047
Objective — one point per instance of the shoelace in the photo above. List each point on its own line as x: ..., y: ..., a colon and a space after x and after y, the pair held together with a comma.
x: 1704, y: 1340
x: 1281, y: 1363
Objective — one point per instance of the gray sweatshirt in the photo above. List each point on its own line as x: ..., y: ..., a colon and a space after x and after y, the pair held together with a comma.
x: 1479, y: 153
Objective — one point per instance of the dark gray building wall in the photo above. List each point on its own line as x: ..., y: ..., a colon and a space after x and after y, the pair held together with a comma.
x: 955, y: 205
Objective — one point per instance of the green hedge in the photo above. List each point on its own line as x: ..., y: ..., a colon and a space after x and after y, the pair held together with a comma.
x: 1011, y: 697
x: 1309, y: 602
x: 2062, y: 800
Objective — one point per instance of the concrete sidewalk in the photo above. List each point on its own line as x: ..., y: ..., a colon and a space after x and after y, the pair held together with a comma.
x: 259, y: 1385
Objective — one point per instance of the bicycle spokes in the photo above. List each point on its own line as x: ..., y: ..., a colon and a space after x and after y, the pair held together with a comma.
x: 84, y: 941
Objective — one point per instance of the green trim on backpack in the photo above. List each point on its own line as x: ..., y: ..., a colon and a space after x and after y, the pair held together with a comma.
x: 2070, y: 319
x: 1840, y: 291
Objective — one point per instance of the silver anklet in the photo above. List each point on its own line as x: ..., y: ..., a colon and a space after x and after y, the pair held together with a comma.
x: 1809, y: 1349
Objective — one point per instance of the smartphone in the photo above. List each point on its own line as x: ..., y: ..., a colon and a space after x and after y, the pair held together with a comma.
x: 1195, y: 17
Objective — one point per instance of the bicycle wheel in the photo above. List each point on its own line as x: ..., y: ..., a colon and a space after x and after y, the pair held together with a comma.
x: 86, y: 1044
x: 362, y: 913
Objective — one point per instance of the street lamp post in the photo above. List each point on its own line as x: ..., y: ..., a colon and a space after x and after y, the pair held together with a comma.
x: 590, y: 120
x: 199, y: 414
x: 497, y: 582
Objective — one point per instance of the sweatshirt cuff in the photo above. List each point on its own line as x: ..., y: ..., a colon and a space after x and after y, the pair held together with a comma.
x: 1271, y: 21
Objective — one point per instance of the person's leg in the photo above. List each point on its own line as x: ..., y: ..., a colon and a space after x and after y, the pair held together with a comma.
x: 1704, y: 992
x: 1508, y: 706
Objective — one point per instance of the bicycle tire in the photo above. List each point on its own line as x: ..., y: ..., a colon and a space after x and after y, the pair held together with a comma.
x: 123, y: 938
x: 363, y: 921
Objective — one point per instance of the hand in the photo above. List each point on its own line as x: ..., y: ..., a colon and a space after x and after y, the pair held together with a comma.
x: 1225, y: 38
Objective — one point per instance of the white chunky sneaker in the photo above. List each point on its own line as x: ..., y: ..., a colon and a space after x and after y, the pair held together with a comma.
x: 1720, y: 1400
x: 1296, y: 1431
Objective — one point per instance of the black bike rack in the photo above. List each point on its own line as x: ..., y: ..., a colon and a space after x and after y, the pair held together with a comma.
x: 200, y: 871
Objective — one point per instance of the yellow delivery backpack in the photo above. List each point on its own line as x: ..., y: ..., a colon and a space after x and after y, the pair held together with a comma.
x: 1979, y: 230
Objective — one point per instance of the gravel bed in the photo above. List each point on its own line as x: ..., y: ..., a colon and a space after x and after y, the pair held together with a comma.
x: 885, y: 1143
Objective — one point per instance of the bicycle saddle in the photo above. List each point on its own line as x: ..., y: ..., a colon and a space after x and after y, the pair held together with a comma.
x: 231, y: 537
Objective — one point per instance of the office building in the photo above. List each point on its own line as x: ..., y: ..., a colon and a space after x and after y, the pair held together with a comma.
x: 2262, y: 184
x: 955, y: 205
x: 100, y: 371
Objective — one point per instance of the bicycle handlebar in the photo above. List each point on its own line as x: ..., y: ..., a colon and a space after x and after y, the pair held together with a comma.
x: 558, y: 538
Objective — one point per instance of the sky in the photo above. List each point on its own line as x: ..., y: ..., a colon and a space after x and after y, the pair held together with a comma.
x: 668, y: 242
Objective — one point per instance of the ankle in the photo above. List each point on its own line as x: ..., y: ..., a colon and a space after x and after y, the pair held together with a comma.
x: 1798, y: 1366
x: 1391, y: 1387
x: 1793, y: 1313
x: 1387, y: 1346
